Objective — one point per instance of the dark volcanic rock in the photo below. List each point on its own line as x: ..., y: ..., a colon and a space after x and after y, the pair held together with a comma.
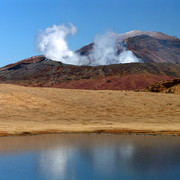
x: 160, y: 52
x: 30, y: 60
x: 150, y: 49
x: 48, y: 73
x: 169, y: 86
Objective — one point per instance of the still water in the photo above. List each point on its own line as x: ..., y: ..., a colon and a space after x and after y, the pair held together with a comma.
x: 90, y: 157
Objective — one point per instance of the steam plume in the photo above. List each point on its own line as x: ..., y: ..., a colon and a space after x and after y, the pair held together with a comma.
x: 53, y: 44
x: 106, y: 48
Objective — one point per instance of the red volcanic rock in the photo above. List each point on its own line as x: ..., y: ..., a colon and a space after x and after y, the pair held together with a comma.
x: 129, y: 82
x: 48, y: 73
x: 160, y: 53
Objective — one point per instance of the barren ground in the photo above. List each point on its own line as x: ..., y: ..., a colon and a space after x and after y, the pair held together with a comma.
x: 32, y: 110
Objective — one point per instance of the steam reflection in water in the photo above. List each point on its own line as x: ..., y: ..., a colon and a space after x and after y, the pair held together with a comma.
x: 54, y: 162
x: 54, y: 157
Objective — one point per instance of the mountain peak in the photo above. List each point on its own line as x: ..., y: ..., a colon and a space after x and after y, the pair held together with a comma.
x: 154, y: 34
x: 149, y: 46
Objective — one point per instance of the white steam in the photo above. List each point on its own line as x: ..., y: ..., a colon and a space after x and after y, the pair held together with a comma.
x: 106, y: 48
x: 53, y: 44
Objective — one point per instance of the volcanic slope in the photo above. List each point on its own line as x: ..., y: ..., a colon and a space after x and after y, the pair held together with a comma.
x: 48, y: 73
x: 149, y: 46
x: 160, y: 53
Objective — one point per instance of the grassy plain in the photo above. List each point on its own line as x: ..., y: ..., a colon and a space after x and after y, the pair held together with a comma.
x: 32, y: 110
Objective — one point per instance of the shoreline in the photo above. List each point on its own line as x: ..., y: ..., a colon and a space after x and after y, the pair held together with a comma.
x: 96, y: 132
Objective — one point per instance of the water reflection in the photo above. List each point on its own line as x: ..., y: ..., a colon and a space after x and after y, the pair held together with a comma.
x: 91, y: 157
x: 126, y: 151
x: 54, y: 162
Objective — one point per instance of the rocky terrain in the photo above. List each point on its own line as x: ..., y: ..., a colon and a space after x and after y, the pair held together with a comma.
x: 27, y: 110
x: 39, y: 71
x: 159, y: 52
x: 148, y: 46
x: 170, y: 86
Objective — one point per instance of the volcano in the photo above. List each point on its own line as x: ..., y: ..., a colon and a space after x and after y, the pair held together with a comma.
x: 148, y: 46
x: 160, y: 54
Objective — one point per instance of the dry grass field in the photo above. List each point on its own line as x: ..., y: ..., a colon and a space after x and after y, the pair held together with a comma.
x: 32, y: 110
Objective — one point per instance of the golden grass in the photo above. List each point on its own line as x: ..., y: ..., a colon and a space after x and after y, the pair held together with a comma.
x: 30, y: 110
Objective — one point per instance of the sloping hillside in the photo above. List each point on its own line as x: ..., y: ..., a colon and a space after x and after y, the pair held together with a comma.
x: 148, y: 46
x: 48, y: 73
x: 159, y: 52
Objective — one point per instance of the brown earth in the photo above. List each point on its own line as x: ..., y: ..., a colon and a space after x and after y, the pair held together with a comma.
x: 170, y: 86
x: 159, y: 52
x: 129, y: 82
x: 29, y: 110
x: 38, y: 71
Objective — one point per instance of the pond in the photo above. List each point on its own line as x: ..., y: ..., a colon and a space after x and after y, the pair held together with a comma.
x: 89, y: 157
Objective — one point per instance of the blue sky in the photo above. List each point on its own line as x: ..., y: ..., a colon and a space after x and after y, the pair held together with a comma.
x: 21, y: 20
